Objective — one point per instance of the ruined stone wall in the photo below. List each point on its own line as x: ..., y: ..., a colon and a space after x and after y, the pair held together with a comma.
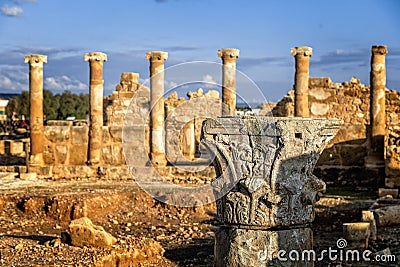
x: 180, y: 113
x: 342, y: 162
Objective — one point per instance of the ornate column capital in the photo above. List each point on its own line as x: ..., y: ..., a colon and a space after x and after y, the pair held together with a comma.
x: 301, y: 50
x: 228, y: 53
x: 95, y: 56
x: 379, y: 50
x: 156, y: 56
x: 36, y: 59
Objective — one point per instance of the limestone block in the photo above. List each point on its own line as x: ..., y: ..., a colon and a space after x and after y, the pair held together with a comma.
x: 59, y: 123
x: 319, y: 93
x: 319, y: 109
x: 243, y: 248
x: 57, y: 134
x: 28, y: 176
x: 112, y: 155
x: 387, y: 216
x: 80, y: 135
x: 2, y: 147
x: 116, y: 133
x: 388, y: 191
x: 368, y: 216
x: 16, y: 148
x: 48, y: 155
x: 78, y: 154
x: 84, y: 233
x: 61, y: 153
x: 106, y: 135
x: 357, y: 233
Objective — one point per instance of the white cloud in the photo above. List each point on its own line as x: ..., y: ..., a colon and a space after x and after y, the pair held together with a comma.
x: 13, y: 11
x: 61, y: 83
x: 13, y: 78
x: 209, y: 81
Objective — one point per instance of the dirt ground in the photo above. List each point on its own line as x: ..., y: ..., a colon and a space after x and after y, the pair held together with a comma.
x: 34, y: 219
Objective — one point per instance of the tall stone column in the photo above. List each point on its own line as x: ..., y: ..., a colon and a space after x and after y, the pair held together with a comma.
x: 96, y: 60
x: 36, y: 107
x: 265, y: 187
x: 228, y: 56
x: 377, y: 101
x: 157, y: 116
x: 302, y: 56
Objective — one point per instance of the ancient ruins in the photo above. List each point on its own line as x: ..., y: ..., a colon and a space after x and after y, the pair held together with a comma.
x: 267, y: 173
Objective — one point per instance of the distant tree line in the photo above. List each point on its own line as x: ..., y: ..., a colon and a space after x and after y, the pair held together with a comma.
x: 59, y: 106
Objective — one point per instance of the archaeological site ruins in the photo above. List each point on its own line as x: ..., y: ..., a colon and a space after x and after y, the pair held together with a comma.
x: 273, y: 176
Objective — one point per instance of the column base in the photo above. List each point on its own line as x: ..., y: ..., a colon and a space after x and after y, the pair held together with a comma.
x: 158, y: 159
x: 35, y: 161
x: 242, y: 247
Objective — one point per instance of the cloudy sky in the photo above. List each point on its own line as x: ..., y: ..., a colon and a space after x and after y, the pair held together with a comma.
x: 341, y: 33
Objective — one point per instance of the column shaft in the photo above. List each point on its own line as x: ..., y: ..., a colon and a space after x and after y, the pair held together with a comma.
x: 377, y: 99
x: 157, y: 115
x: 96, y: 89
x: 36, y: 106
x: 302, y: 58
x: 228, y: 56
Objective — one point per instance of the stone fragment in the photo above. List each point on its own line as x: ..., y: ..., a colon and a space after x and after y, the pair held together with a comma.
x: 84, y: 233
x: 368, y: 216
x: 228, y: 56
x: 389, y: 215
x: 388, y: 191
x: 356, y: 234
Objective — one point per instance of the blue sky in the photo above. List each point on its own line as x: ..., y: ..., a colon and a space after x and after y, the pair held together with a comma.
x: 340, y: 32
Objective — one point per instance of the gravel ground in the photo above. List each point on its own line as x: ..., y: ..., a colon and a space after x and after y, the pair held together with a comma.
x: 34, y: 217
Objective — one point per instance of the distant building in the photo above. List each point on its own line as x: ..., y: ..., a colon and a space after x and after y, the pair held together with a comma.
x: 3, y: 105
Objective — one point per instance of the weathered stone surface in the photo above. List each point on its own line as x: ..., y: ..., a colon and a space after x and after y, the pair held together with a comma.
x: 387, y: 216
x: 228, y: 56
x: 78, y: 154
x: 84, y: 233
x: 368, y: 216
x: 112, y: 155
x: 61, y: 153
x: 80, y: 135
x: 357, y: 234
x: 267, y: 164
x: 388, y: 191
x: 264, y: 180
x: 302, y: 56
x: 243, y: 247
x: 57, y: 134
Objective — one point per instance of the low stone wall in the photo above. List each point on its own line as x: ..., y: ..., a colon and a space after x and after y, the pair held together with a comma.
x: 13, y: 152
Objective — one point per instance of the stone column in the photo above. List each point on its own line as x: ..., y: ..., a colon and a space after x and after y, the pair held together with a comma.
x: 265, y: 187
x: 302, y: 56
x: 377, y: 101
x: 228, y: 56
x: 188, y: 140
x: 36, y: 107
x: 157, y: 116
x: 96, y: 60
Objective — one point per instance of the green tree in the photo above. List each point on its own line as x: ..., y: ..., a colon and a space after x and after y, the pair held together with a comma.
x: 50, y: 105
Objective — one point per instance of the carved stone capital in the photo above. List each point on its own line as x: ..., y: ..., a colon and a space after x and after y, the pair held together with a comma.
x: 36, y: 59
x: 228, y: 53
x: 266, y: 165
x: 95, y: 56
x: 156, y: 56
x: 379, y: 50
x: 301, y: 50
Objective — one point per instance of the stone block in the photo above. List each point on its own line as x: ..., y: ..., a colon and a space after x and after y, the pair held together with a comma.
x: 112, y: 155
x: 84, y: 233
x: 116, y: 133
x: 106, y: 135
x: 357, y: 234
x: 245, y: 247
x: 61, y: 153
x: 2, y: 147
x: 57, y: 134
x: 59, y: 123
x: 78, y: 154
x: 389, y: 215
x: 352, y: 155
x: 392, y: 182
x: 368, y: 216
x: 388, y: 191
x: 16, y: 148
x: 80, y: 135
x: 28, y: 176
x: 48, y: 155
